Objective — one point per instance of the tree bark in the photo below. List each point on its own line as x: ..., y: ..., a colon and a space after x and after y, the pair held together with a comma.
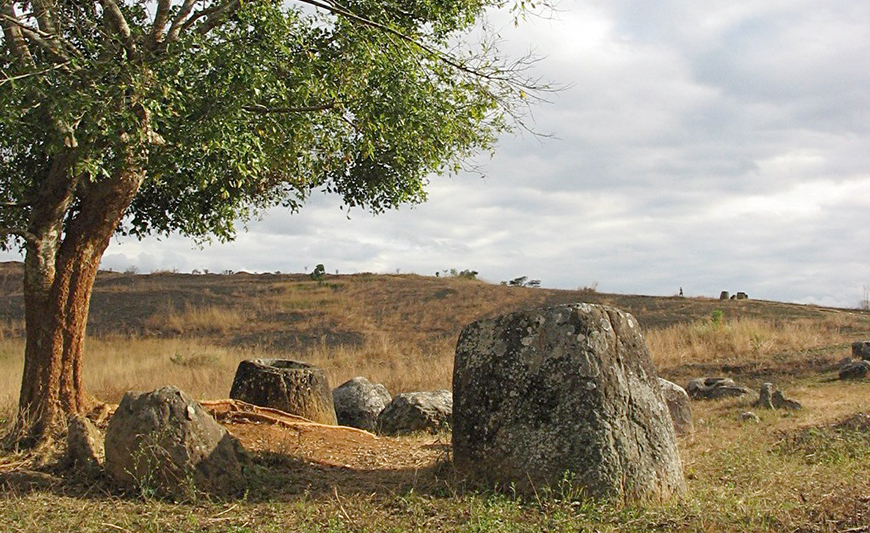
x: 58, y: 282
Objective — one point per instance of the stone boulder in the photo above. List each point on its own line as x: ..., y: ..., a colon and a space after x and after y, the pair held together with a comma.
x: 715, y: 388
x: 771, y: 398
x: 859, y: 370
x: 411, y: 412
x: 163, y: 442
x: 294, y: 387
x: 358, y: 403
x: 679, y: 406
x: 861, y: 350
x: 563, y: 393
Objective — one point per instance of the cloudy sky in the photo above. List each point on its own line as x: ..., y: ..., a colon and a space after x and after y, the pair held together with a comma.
x: 704, y: 144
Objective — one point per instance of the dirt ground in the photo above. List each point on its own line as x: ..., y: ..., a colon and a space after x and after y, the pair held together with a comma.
x: 298, y: 456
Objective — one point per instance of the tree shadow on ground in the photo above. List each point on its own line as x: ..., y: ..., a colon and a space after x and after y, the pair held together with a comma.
x: 270, y: 476
x: 267, y: 476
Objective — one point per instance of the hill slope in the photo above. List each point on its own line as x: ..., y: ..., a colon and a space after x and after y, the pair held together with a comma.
x: 402, y: 329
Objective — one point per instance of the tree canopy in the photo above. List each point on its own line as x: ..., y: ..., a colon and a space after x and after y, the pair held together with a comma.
x: 186, y: 116
x: 235, y: 106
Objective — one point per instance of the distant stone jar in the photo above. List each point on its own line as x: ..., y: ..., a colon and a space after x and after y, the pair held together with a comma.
x: 294, y: 387
x: 563, y: 391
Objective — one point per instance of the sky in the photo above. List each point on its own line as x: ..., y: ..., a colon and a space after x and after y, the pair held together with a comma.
x: 698, y: 144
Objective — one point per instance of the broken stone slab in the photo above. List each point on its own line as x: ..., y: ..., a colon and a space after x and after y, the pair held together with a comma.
x: 294, y: 387
x: 861, y: 350
x: 714, y: 388
x: 85, y: 446
x: 358, y: 402
x: 565, y: 393
x: 859, y: 370
x: 772, y: 398
x: 164, y: 443
x: 679, y: 407
x: 411, y: 412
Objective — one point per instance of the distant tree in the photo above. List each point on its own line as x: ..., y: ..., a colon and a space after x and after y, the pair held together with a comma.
x: 160, y: 116
x: 454, y: 273
x: 318, y: 273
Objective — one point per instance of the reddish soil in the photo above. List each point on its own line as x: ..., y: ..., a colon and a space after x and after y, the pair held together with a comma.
x: 303, y: 456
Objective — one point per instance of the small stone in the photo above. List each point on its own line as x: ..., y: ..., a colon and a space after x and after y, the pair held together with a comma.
x: 771, y: 398
x: 749, y: 416
x: 713, y: 388
x: 857, y: 370
x: 679, y: 406
x: 861, y: 350
x: 781, y: 402
x: 765, y: 397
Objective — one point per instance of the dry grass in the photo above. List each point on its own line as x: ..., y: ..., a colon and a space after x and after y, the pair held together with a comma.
x: 400, y: 367
x: 793, y: 471
x: 116, y: 365
x: 197, y: 320
x: 11, y: 368
x: 743, y: 340
x: 397, y: 330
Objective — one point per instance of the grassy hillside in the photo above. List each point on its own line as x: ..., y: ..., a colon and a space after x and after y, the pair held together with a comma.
x: 147, y: 330
x: 803, y: 471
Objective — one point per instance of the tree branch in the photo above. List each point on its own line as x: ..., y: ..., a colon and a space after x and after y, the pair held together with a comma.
x: 216, y: 15
x: 161, y: 17
x: 331, y: 7
x: 42, y: 12
x: 38, y: 37
x: 261, y: 109
x: 179, y: 21
x: 120, y: 24
x: 5, y: 233
x: 6, y: 79
x: 15, y: 204
x: 12, y: 33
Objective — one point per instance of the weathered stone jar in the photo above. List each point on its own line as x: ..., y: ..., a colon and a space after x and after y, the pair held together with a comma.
x: 294, y: 387
x: 567, y: 390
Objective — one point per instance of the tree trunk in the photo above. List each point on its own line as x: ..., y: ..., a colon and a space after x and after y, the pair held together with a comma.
x: 59, y: 277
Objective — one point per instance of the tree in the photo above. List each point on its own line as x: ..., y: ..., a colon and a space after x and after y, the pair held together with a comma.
x: 160, y: 116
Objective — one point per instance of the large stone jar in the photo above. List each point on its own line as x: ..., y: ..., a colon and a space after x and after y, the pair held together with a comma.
x: 563, y: 394
x: 294, y: 387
